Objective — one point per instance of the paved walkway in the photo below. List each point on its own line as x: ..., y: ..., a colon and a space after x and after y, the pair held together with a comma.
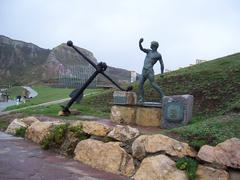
x: 32, y: 92
x: 22, y: 159
x: 4, y: 105
x: 33, y: 106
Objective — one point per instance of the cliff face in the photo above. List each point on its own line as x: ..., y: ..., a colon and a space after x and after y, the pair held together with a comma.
x: 20, y: 62
x: 24, y: 63
x: 63, y: 58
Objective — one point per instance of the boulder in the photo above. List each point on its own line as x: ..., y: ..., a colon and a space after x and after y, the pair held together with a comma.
x: 75, y: 123
x: 206, y: 173
x: 69, y: 144
x: 20, y: 123
x: 225, y: 154
x: 29, y: 120
x: 14, y: 125
x: 95, y: 128
x: 123, y: 133
x: 109, y: 156
x: 159, y: 167
x: 39, y: 130
x: 160, y: 143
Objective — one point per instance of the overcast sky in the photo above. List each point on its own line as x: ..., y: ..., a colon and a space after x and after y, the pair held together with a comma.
x: 185, y: 29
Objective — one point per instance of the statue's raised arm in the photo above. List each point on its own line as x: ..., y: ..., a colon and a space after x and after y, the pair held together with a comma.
x: 141, y: 48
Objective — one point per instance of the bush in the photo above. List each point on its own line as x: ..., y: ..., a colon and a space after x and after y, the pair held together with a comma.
x: 189, y: 165
x: 21, y: 132
x: 45, y: 144
x: 78, y: 132
x: 58, y: 134
x: 56, y: 137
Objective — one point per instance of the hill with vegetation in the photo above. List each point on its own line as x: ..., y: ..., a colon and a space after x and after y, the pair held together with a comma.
x: 215, y: 86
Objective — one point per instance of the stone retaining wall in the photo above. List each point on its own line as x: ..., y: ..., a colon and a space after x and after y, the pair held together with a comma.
x: 123, y: 150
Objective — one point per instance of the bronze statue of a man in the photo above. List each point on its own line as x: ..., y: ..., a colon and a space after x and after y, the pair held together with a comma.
x: 147, y: 72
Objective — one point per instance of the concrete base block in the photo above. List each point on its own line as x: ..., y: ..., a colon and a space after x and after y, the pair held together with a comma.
x: 136, y: 115
x: 148, y: 116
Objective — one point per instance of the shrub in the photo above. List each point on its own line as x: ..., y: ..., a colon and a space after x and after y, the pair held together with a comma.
x: 78, y: 132
x: 55, y: 138
x: 189, y: 165
x: 21, y: 132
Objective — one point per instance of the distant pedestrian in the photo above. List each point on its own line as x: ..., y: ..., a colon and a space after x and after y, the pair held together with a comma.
x: 18, y: 99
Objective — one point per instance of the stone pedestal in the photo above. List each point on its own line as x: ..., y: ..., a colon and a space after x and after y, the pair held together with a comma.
x: 136, y: 115
x: 124, y: 98
x: 123, y: 114
x: 148, y: 116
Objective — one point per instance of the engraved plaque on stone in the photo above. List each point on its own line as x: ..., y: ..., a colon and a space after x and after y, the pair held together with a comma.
x: 177, y: 110
x: 174, y: 112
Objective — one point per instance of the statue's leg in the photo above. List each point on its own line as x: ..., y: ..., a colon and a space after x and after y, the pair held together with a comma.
x: 141, y: 88
x: 154, y: 84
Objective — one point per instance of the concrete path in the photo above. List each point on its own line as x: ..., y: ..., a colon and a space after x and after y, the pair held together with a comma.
x: 32, y: 92
x: 33, y: 106
x: 4, y: 105
x: 22, y: 159
x: 38, y: 105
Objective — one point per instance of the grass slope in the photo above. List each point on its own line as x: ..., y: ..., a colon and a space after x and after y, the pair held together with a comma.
x: 214, y: 84
x: 45, y: 94
x: 94, y: 103
x: 15, y: 91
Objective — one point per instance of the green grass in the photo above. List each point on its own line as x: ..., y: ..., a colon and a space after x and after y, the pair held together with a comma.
x: 208, y: 131
x: 45, y: 94
x: 214, y: 84
x: 3, y: 125
x: 15, y: 91
x: 92, y: 104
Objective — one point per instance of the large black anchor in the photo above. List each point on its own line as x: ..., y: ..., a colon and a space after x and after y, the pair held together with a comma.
x: 100, y: 68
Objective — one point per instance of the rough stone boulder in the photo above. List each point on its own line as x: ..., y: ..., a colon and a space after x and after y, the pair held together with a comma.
x: 207, y: 173
x: 159, y: 167
x: 14, y: 125
x: 123, y: 133
x: 226, y: 153
x: 29, y: 120
x: 69, y: 144
x: 109, y: 157
x: 39, y: 130
x: 20, y: 123
x: 159, y: 143
x: 95, y: 128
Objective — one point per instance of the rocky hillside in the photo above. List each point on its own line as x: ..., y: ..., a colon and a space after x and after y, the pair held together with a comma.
x: 24, y: 63
x: 21, y: 62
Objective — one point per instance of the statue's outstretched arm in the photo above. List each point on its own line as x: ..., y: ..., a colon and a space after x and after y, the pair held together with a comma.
x: 141, y: 48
